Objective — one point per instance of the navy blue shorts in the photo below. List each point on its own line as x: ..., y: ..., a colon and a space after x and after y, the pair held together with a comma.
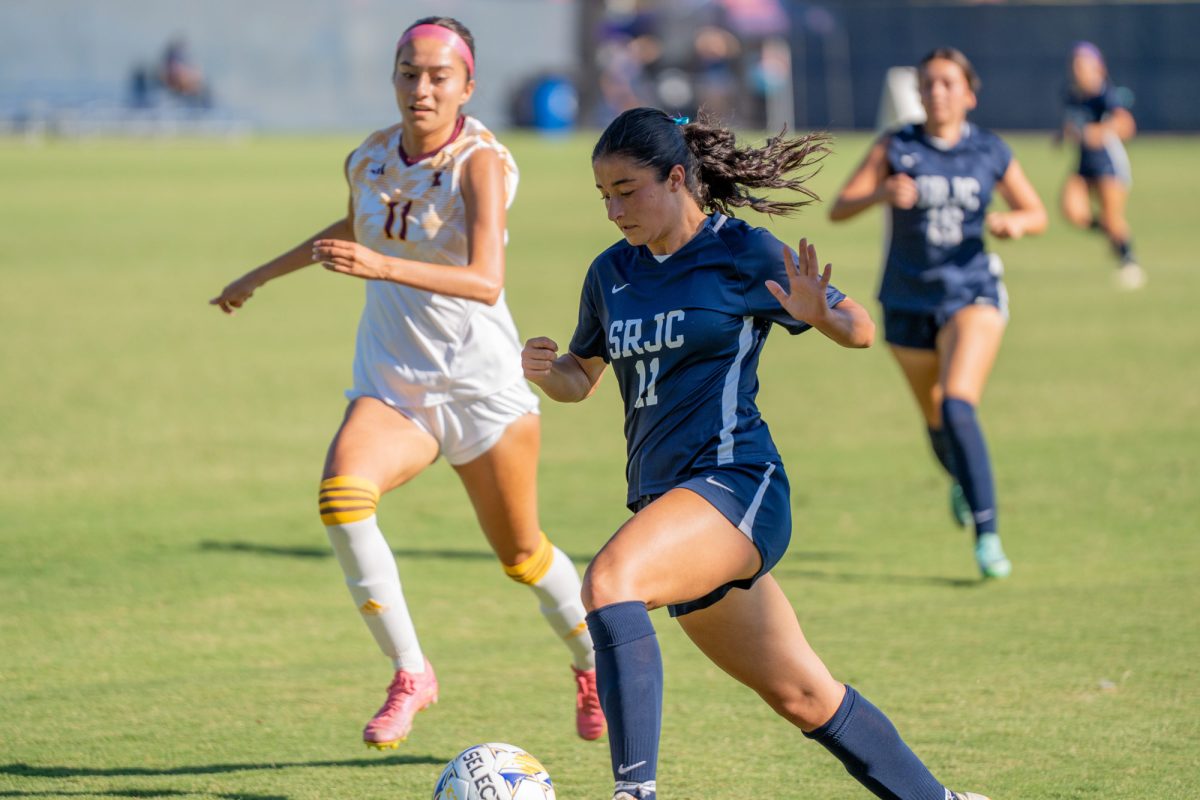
x: 919, y: 329
x: 756, y: 498
x: 1109, y: 161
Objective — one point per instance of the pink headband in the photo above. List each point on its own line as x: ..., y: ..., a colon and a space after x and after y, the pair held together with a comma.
x: 1087, y: 49
x: 443, y: 35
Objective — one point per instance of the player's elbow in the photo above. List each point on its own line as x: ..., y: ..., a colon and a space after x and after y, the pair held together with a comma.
x: 486, y: 281
x: 857, y: 329
x: 862, y: 334
x: 1037, y: 222
x: 488, y: 292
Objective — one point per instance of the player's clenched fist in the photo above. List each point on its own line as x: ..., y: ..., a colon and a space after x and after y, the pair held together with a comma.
x: 538, y: 357
x: 900, y: 190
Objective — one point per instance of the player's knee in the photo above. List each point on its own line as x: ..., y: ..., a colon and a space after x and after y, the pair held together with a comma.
x: 531, y: 565
x: 346, y: 498
x: 1077, y: 214
x: 807, y: 709
x: 1080, y: 219
x: 608, y: 581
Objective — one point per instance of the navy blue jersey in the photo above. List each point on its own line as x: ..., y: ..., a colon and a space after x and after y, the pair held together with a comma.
x: 1110, y: 157
x: 1080, y: 110
x: 936, y: 255
x: 683, y: 337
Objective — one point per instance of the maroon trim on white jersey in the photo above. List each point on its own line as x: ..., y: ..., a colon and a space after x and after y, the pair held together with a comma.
x: 408, y: 162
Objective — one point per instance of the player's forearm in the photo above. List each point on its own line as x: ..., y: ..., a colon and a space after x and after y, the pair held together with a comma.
x: 300, y: 256
x: 1025, y: 222
x: 1032, y: 221
x: 848, y: 324
x: 482, y: 283
x: 847, y: 206
x: 566, y: 382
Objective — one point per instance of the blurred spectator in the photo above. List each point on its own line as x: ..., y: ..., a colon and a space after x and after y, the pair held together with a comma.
x: 627, y: 58
x: 717, y: 71
x: 176, y: 74
x: 181, y: 77
x: 757, y: 19
x: 727, y: 58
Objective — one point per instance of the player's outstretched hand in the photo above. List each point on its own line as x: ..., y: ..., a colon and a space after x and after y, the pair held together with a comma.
x: 900, y: 190
x: 538, y: 357
x: 350, y: 258
x: 804, y: 298
x: 233, y: 296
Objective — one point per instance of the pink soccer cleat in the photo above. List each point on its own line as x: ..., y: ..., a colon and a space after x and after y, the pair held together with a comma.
x: 408, y: 693
x: 589, y: 717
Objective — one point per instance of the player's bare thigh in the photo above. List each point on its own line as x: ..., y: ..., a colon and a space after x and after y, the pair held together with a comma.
x: 921, y: 369
x: 681, y: 529
x: 377, y: 442
x: 967, y: 348
x: 1076, y: 201
x: 502, y: 485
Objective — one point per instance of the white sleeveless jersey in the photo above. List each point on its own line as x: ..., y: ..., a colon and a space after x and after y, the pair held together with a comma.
x: 417, y: 348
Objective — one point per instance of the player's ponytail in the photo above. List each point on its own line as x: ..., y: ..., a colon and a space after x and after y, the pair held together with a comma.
x: 727, y: 171
x: 719, y: 173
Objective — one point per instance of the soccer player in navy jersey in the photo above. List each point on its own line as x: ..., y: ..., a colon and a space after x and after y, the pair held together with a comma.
x: 1098, y: 121
x: 681, y: 308
x: 944, y: 304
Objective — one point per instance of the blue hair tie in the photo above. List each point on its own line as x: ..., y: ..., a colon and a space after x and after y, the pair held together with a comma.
x: 681, y: 120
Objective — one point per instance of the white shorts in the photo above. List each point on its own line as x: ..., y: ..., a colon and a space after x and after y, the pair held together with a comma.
x: 468, y: 429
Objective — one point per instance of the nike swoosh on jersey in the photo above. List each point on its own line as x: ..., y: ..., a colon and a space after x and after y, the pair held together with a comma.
x: 616, y: 289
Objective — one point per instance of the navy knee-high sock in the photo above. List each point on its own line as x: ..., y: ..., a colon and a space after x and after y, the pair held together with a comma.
x: 629, y: 678
x: 971, y: 461
x: 1123, y: 249
x: 941, y: 448
x: 870, y: 748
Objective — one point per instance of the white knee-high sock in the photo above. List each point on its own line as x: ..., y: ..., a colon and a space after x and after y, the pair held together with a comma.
x: 553, y: 579
x: 370, y: 570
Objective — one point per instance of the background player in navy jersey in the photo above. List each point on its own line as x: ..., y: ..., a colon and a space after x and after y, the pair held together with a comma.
x: 944, y: 306
x: 681, y: 309
x: 1097, y: 120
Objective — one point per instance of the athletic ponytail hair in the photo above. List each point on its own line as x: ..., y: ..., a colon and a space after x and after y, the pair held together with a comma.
x: 718, y: 172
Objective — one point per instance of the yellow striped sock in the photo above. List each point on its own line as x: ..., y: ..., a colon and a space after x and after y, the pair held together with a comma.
x: 534, y: 568
x: 345, y: 498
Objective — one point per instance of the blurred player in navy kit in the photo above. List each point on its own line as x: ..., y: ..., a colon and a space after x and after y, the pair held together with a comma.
x: 681, y: 309
x: 1097, y: 120
x: 944, y: 305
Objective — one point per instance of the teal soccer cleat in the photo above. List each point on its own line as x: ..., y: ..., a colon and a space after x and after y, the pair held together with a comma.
x: 959, y: 509
x: 990, y: 557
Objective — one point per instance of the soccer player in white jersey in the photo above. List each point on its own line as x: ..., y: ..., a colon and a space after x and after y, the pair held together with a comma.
x: 681, y: 308
x: 944, y: 303
x: 437, y: 368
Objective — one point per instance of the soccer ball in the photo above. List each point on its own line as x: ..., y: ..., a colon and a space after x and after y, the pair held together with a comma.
x: 494, y: 771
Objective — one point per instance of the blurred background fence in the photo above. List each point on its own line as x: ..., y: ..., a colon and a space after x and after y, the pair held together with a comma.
x: 96, y: 66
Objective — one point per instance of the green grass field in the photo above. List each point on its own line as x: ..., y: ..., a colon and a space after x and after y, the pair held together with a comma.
x: 172, y: 624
